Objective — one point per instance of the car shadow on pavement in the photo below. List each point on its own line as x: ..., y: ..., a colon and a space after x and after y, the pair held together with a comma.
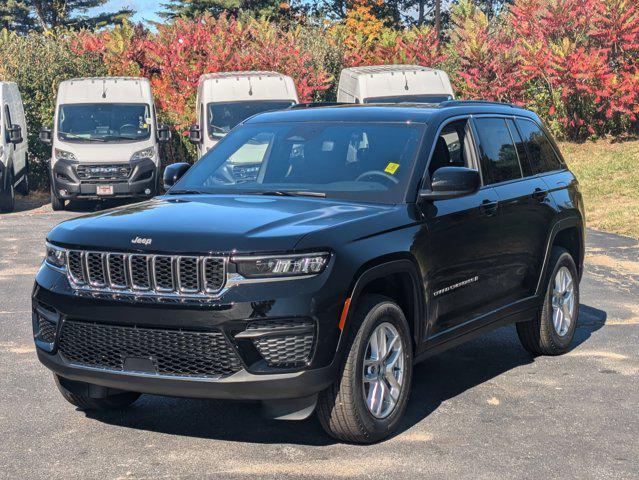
x: 434, y: 381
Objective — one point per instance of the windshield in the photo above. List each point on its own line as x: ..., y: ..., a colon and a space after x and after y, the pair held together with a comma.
x: 368, y: 162
x: 225, y: 116
x: 104, y: 122
x: 430, y: 98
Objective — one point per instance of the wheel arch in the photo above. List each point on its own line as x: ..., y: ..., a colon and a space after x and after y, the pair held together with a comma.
x: 395, y: 276
x: 569, y: 234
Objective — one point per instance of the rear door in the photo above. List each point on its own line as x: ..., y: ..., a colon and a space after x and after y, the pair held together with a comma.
x: 463, y: 235
x: 525, y: 207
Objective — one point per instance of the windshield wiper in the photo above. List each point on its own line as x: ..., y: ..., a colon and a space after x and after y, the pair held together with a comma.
x: 290, y: 193
x: 81, y: 137
x: 185, y: 192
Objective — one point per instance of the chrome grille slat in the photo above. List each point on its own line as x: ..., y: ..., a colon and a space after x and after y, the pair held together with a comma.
x: 138, y: 274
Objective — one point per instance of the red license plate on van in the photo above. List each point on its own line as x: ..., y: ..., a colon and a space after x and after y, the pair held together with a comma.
x: 104, y: 190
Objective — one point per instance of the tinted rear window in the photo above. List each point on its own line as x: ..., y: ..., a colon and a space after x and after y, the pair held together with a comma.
x: 499, y: 160
x: 541, y: 154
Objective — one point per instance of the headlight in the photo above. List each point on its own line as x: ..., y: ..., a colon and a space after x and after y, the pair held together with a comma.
x: 281, y: 265
x: 142, y: 154
x: 56, y: 256
x: 63, y: 155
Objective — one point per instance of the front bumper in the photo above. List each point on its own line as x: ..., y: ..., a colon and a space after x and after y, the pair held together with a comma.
x: 255, y: 379
x: 68, y: 185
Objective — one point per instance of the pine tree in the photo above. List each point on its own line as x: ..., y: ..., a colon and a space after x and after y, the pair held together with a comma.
x: 194, y: 8
x: 46, y: 15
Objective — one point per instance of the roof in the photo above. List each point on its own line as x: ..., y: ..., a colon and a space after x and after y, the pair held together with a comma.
x: 249, y: 73
x: 397, y: 112
x: 376, y: 69
x: 107, y: 79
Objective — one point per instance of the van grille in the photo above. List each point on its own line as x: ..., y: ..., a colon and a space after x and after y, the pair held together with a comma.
x: 145, y: 274
x: 103, y: 172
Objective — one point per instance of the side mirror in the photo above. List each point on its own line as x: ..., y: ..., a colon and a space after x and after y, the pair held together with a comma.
x: 451, y: 182
x: 195, y: 134
x: 173, y: 172
x: 15, y: 134
x: 46, y: 136
x: 164, y: 133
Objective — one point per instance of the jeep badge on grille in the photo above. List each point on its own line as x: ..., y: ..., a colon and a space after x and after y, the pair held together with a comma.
x: 142, y: 241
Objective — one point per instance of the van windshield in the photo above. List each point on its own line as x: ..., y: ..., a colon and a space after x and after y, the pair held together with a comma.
x: 426, y: 98
x: 369, y: 162
x: 226, y: 115
x: 104, y: 122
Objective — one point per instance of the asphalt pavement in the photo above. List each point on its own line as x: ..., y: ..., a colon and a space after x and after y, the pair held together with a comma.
x: 484, y: 410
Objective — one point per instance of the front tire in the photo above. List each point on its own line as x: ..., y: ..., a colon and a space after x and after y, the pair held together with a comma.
x: 368, y: 400
x: 552, y: 331
x: 23, y: 187
x: 57, y: 203
x: 86, y: 403
x: 7, y: 196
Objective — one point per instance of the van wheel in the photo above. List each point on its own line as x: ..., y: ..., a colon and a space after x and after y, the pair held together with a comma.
x: 57, y: 203
x: 552, y: 331
x: 7, y: 195
x: 23, y: 187
x: 84, y: 402
x: 368, y: 399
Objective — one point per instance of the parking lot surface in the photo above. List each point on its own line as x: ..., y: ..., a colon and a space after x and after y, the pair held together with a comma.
x: 486, y: 409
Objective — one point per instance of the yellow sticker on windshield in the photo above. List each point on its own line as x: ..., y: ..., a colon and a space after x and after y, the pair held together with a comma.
x: 391, y: 168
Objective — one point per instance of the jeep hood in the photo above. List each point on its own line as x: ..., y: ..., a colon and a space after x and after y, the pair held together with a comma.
x: 223, y: 223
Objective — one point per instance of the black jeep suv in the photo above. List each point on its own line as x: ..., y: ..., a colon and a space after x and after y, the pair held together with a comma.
x: 313, y: 257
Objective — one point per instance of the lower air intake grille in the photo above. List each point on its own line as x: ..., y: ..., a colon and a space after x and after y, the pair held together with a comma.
x: 285, y: 350
x: 45, y: 330
x: 170, y: 352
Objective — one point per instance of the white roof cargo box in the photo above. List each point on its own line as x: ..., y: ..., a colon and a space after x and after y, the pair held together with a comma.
x: 106, y: 90
x: 394, y: 84
x: 242, y: 86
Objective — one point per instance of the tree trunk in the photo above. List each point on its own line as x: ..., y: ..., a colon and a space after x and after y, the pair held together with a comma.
x: 438, y: 17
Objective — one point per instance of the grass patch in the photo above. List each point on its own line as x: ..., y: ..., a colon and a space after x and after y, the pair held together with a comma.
x: 608, y: 174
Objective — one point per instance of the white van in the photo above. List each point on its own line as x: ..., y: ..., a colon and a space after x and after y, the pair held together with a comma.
x: 394, y: 84
x: 226, y: 99
x: 13, y: 146
x: 104, y: 141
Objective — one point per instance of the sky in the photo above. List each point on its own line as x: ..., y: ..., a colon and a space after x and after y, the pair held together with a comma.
x: 146, y: 9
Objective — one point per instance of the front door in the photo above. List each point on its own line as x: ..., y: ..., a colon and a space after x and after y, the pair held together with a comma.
x: 463, y: 236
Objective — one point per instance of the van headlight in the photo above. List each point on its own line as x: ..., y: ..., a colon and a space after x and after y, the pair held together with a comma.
x: 64, y: 155
x: 56, y: 257
x: 280, y: 266
x: 143, y: 154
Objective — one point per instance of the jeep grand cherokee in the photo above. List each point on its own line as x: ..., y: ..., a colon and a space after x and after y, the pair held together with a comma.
x: 313, y: 257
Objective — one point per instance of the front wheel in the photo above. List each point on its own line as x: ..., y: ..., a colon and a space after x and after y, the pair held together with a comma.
x: 57, y: 203
x: 552, y: 331
x: 7, y: 196
x: 368, y: 400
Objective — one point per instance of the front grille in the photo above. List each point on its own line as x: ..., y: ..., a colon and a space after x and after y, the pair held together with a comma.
x: 165, y: 352
x: 45, y: 330
x: 145, y: 274
x: 104, y: 172
x: 287, y: 350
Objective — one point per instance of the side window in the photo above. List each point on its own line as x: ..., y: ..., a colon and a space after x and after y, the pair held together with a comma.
x: 521, y: 148
x: 499, y: 160
x: 542, y: 155
x: 452, y: 149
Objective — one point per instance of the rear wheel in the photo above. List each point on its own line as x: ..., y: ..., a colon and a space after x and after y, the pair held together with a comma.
x: 7, y: 195
x: 84, y: 402
x: 368, y: 400
x: 57, y: 203
x: 551, y: 333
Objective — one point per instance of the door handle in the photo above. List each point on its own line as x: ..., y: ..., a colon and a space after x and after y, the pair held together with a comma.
x: 540, y: 194
x: 488, y: 208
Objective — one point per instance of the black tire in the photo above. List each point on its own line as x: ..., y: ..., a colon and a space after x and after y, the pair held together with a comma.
x: 341, y: 408
x: 23, y: 187
x: 57, y: 203
x: 83, y: 402
x: 7, y: 195
x: 539, y: 335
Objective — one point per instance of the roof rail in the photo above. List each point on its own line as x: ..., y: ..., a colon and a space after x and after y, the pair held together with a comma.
x: 317, y: 104
x: 457, y: 103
